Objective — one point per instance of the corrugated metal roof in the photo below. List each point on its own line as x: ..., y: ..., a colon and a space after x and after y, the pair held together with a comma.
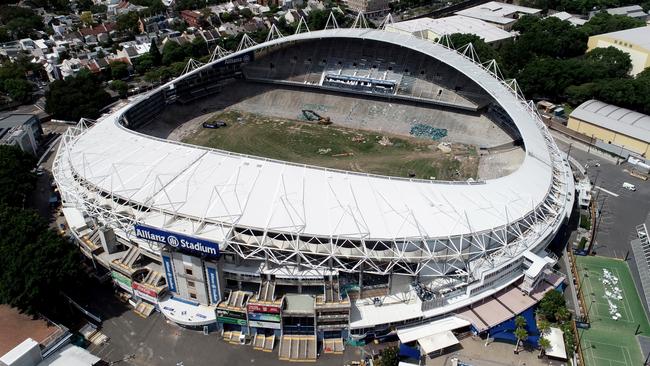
x: 617, y: 119
x: 453, y: 24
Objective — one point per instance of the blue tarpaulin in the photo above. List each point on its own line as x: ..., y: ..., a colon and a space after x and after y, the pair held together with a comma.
x: 409, y: 352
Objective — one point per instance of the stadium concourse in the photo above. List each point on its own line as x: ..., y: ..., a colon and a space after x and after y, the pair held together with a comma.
x: 302, y: 259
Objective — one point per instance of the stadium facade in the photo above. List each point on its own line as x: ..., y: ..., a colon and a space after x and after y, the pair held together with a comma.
x: 272, y: 250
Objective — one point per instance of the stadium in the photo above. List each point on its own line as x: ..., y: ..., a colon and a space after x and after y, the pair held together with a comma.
x: 302, y: 258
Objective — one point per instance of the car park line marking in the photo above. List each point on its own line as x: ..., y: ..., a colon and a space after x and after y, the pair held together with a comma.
x: 606, y: 191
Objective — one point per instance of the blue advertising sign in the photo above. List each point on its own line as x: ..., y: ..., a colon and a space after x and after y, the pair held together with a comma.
x: 169, y: 273
x: 183, y: 242
x: 213, y: 282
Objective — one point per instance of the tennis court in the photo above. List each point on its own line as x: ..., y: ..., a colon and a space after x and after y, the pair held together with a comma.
x: 615, y: 311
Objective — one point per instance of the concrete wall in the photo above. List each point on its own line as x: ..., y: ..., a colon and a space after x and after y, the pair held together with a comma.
x: 609, y: 136
x: 182, y: 263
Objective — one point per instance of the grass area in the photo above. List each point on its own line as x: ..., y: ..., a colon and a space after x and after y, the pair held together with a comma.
x: 337, y: 147
x: 611, y: 342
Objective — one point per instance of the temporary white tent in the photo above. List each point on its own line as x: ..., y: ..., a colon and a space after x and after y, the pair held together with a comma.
x: 557, y: 348
x: 437, y: 342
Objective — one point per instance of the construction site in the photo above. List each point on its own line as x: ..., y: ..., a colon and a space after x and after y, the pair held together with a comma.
x: 362, y: 134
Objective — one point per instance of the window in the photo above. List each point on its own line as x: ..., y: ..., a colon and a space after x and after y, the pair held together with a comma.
x: 191, y: 284
x: 192, y: 295
x: 188, y: 271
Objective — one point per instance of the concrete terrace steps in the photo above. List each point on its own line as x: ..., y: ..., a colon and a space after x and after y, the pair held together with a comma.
x: 298, y: 348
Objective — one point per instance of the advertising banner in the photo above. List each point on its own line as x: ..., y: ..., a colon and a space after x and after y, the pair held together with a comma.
x: 264, y: 317
x: 213, y: 283
x: 185, y: 243
x: 144, y: 292
x: 231, y: 317
x: 122, y: 281
x: 169, y: 273
x: 259, y: 308
x: 259, y: 324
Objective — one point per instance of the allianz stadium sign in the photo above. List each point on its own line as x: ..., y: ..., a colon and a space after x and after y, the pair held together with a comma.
x: 182, y: 242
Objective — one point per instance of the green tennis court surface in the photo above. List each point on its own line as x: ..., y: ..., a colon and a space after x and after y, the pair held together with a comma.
x: 611, y: 342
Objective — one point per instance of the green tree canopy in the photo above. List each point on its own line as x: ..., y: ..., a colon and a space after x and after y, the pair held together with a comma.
x: 121, y: 87
x: 20, y: 21
x: 172, y: 52
x: 76, y: 97
x: 389, y: 357
x: 154, y: 53
x: 16, y: 179
x: 604, y: 22
x: 550, y: 305
x: 37, y: 263
x: 548, y: 37
x: 119, y: 70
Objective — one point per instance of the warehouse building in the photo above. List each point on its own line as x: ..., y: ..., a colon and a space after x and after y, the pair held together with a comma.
x: 635, y: 42
x: 433, y: 29
x: 613, y: 125
x: 501, y: 15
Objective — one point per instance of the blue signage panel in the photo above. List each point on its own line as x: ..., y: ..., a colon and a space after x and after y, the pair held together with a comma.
x: 169, y: 273
x: 213, y: 282
x: 185, y: 243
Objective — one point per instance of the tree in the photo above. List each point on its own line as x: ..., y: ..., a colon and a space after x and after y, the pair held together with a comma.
x: 520, y: 332
x: 172, y: 52
x: 544, y: 343
x: 550, y: 304
x: 121, y: 87
x: 389, y: 357
x: 37, y: 264
x: 610, y: 62
x: 544, y: 326
x: 247, y: 13
x: 20, y: 21
x: 128, y: 22
x: 156, y: 57
x: 76, y: 97
x: 604, y: 22
x: 87, y: 18
x: 16, y: 179
x: 19, y: 90
x: 119, y: 70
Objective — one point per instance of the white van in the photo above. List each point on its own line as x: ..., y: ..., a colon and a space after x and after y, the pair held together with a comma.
x: 629, y: 186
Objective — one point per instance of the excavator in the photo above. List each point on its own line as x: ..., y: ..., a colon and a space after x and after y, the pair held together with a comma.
x: 311, y: 115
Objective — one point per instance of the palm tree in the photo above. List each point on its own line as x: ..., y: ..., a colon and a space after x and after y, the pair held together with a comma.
x: 544, y: 326
x: 522, y: 335
x: 520, y: 322
x: 520, y: 331
x: 544, y: 343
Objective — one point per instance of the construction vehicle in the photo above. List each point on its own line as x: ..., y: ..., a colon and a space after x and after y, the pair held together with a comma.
x: 311, y: 115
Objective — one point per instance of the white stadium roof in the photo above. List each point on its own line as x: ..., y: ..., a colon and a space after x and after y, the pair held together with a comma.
x: 223, y: 187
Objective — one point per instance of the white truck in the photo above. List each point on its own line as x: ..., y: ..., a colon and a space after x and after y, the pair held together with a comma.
x: 629, y: 186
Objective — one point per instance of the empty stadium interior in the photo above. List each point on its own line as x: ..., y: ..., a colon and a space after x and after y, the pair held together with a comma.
x: 357, y: 84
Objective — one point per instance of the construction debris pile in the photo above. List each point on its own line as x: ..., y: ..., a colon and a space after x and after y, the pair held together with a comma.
x: 426, y: 131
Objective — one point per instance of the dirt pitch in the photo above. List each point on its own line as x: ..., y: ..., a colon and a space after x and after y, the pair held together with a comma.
x: 337, y: 147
